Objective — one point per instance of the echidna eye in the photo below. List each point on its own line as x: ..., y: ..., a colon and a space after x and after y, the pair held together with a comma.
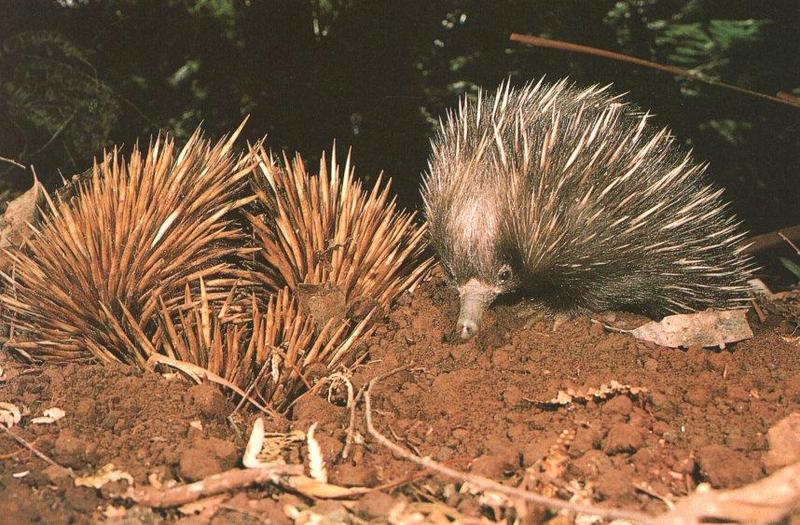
x: 504, y: 274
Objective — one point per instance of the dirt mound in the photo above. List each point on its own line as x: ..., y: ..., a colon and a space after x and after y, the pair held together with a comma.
x: 481, y: 406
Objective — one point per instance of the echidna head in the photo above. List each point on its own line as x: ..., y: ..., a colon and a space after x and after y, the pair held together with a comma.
x: 475, y: 253
x: 477, y: 290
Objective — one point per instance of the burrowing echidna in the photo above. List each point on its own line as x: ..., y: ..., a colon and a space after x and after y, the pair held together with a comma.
x: 326, y: 229
x: 569, y: 197
x: 121, y: 244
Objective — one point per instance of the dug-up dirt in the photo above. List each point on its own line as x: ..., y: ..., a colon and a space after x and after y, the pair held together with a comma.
x: 681, y: 417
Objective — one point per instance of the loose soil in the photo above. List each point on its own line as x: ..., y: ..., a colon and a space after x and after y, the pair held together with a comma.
x: 479, y: 407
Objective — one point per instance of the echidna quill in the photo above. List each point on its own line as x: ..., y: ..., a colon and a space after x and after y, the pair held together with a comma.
x: 327, y: 229
x: 89, y: 284
x: 569, y: 197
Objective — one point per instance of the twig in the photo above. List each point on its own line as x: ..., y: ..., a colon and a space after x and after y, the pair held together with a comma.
x: 789, y: 241
x: 771, y: 240
x: 197, y: 372
x: 216, y: 484
x: 250, y: 389
x: 12, y: 161
x: 488, y: 484
x: 569, y: 46
x: 33, y: 449
x: 759, y: 312
x: 351, y: 427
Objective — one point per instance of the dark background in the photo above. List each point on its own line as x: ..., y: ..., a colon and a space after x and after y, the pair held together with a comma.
x: 77, y: 76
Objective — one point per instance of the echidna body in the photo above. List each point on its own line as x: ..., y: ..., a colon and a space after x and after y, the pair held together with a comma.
x: 570, y: 197
x: 122, y: 244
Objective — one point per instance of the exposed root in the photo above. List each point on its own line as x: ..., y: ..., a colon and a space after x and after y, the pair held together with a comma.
x: 216, y: 484
x: 41, y: 455
x: 486, y: 484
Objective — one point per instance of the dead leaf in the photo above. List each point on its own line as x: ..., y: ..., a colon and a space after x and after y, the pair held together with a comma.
x: 708, y: 328
x: 106, y: 474
x: 21, y: 212
x: 112, y: 512
x: 312, y: 488
x: 604, y: 391
x: 784, y: 442
x: 766, y: 501
x: 51, y: 415
x: 316, y: 461
x: 254, y: 445
x: 9, y: 414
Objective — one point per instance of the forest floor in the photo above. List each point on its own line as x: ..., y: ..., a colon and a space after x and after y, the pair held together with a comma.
x: 479, y: 407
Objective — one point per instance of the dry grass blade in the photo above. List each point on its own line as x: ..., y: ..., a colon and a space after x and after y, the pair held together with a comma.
x: 88, y: 284
x: 327, y: 229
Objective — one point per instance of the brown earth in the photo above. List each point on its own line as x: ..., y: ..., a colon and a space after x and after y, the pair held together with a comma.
x: 478, y: 407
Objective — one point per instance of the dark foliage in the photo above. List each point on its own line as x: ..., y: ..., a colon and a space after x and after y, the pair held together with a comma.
x: 78, y: 75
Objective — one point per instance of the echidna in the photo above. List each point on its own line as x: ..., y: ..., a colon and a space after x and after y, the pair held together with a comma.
x: 328, y: 230
x: 90, y: 283
x: 569, y: 197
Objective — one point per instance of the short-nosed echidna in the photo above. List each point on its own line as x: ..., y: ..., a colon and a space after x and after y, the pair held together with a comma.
x: 120, y: 244
x: 569, y: 197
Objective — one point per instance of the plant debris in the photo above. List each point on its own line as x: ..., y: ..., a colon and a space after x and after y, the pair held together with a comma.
x: 708, y: 328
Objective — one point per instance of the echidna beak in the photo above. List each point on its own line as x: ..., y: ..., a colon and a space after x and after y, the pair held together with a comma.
x: 476, y: 296
x: 466, y: 328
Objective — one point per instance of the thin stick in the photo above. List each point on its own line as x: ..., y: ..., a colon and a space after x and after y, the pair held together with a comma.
x: 196, y: 371
x: 30, y: 447
x: 569, y: 46
x: 788, y: 240
x: 216, y: 484
x: 351, y: 427
x: 250, y: 388
x: 488, y: 484
x: 12, y: 161
x: 771, y: 240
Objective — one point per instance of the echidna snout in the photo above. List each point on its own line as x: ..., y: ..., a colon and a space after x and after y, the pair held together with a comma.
x: 591, y: 206
x: 475, y: 296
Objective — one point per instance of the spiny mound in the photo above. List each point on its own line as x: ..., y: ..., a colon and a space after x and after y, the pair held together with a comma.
x: 571, y: 197
x: 327, y: 230
x: 274, y: 354
x: 88, y: 284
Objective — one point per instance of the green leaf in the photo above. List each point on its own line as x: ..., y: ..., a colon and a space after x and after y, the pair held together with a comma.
x: 791, y: 266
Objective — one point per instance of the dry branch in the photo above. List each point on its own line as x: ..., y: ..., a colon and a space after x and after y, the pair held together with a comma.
x: 216, y: 484
x: 766, y: 501
x: 489, y: 485
x: 588, y: 50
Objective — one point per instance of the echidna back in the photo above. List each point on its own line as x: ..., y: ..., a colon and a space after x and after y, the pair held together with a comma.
x: 598, y: 208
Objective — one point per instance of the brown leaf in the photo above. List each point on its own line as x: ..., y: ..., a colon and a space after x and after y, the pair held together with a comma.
x: 20, y: 212
x: 766, y: 501
x: 707, y: 328
x: 604, y: 391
